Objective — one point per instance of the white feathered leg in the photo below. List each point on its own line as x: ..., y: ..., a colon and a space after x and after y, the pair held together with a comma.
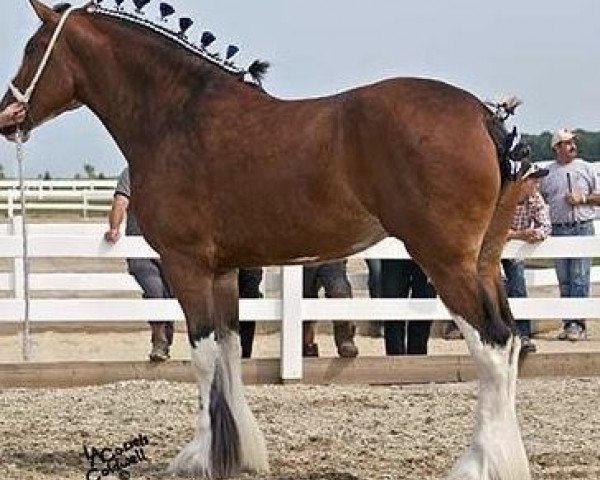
x: 496, y: 451
x: 195, y: 458
x: 252, y: 442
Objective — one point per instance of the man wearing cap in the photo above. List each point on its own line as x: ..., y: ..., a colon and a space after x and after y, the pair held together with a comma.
x: 571, y: 190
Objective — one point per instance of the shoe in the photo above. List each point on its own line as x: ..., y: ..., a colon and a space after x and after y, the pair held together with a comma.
x: 347, y: 349
x: 374, y: 330
x: 310, y: 350
x: 527, y: 346
x: 563, y: 334
x: 159, y: 352
x: 575, y: 332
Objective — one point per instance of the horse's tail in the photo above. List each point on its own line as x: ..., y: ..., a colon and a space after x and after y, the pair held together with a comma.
x: 492, y: 292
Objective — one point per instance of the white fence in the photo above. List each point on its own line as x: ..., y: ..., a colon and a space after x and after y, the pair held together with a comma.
x: 83, y: 240
x: 58, y: 195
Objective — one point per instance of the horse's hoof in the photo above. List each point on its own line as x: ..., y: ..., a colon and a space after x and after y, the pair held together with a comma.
x: 193, y: 460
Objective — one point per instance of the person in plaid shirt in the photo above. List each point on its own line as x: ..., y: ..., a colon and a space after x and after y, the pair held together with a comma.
x: 531, y: 223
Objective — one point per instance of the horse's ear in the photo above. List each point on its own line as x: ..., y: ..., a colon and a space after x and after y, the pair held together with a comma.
x: 45, y: 13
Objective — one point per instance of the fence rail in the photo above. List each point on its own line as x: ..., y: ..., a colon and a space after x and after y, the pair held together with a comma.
x: 58, y: 195
x: 85, y: 240
x: 60, y: 184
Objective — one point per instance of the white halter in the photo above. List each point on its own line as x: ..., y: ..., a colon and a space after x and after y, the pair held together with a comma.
x: 23, y: 97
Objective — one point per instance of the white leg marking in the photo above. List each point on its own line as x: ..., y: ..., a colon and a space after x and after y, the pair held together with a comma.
x: 496, y: 451
x: 195, y: 458
x: 252, y: 442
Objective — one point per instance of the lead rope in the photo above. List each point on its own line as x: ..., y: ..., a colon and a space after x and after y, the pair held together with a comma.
x: 24, y: 97
x: 26, y: 337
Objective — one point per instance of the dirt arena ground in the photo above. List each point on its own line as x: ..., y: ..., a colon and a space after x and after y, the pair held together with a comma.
x: 312, y: 433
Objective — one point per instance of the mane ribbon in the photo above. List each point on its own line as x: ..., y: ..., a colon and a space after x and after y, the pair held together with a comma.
x: 23, y: 97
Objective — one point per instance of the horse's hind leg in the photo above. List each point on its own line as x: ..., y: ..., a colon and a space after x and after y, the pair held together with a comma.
x: 252, y: 443
x: 496, y: 451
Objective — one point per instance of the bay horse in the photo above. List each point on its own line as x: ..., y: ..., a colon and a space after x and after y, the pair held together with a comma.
x: 223, y: 175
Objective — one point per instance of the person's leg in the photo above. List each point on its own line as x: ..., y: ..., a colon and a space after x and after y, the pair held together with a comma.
x: 562, y: 267
x: 375, y: 327
x: 169, y: 327
x: 514, y: 270
x: 310, y: 289
x: 169, y: 332
x: 394, y: 284
x: 418, y: 331
x: 335, y: 282
x: 418, y: 337
x: 249, y: 287
x: 579, y: 271
x: 149, y: 276
x: 374, y: 283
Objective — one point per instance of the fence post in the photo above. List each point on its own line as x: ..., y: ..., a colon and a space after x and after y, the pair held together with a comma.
x: 18, y: 286
x: 291, y: 323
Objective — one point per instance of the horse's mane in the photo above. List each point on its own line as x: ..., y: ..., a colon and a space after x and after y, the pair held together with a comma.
x: 256, y: 71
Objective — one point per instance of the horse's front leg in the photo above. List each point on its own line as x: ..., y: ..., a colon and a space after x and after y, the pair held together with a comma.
x: 227, y: 439
x: 214, y: 451
x: 252, y: 443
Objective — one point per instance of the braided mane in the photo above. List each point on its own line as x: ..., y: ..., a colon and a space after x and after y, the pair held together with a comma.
x: 254, y: 74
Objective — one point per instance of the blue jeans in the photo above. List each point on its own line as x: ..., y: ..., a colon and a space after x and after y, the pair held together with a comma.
x: 149, y: 274
x: 573, y: 273
x: 514, y: 270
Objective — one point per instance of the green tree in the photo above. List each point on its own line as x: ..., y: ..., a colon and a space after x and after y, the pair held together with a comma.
x: 89, y: 170
x: 588, y: 142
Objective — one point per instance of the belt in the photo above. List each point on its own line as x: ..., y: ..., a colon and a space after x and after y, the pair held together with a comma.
x: 570, y: 224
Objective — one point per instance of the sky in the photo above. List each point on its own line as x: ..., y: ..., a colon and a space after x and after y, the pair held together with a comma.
x: 544, y: 51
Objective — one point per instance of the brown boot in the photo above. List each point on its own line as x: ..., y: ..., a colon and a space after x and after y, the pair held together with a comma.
x: 343, y: 333
x: 160, y: 342
x: 159, y: 352
x: 309, y: 347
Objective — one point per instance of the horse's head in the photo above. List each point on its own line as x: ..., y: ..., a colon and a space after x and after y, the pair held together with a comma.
x: 54, y: 91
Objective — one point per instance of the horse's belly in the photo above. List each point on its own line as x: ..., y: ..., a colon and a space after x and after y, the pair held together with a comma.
x: 313, y: 241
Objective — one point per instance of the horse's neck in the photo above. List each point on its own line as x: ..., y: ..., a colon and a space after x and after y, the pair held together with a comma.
x: 137, y: 95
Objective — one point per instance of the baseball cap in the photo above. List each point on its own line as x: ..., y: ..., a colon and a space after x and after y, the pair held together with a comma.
x: 562, y: 135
